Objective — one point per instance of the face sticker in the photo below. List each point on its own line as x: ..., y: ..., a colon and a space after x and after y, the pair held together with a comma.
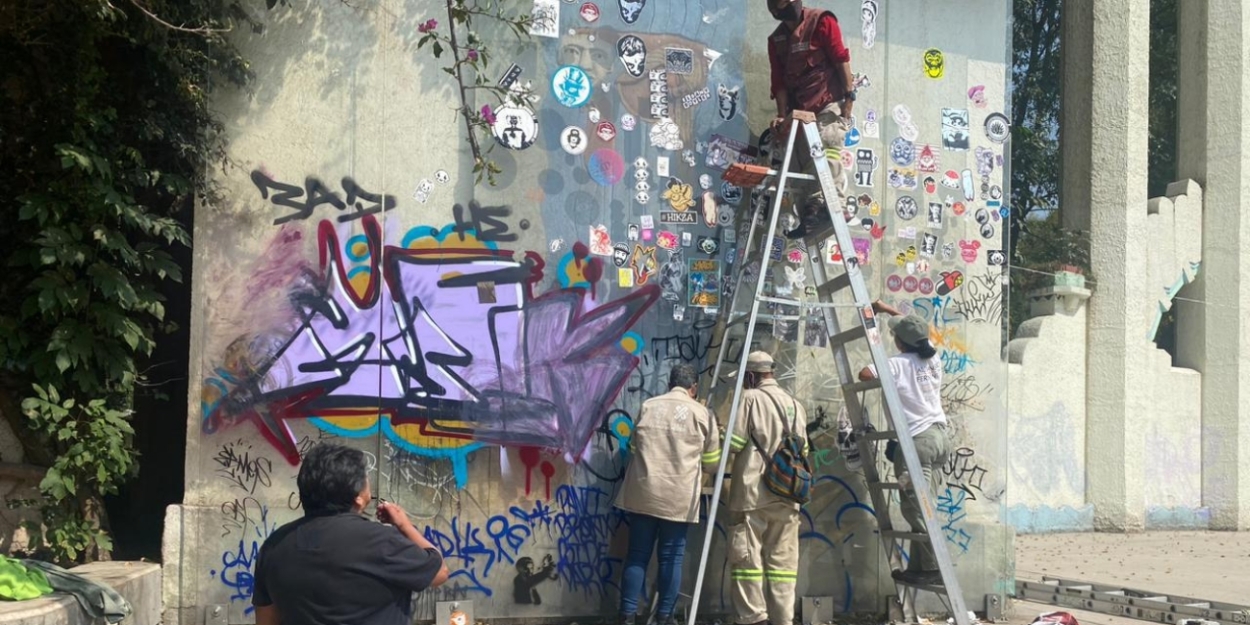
x: 977, y: 95
x: 951, y: 179
x: 909, y: 132
x: 631, y: 9
x: 571, y: 86
x: 968, y: 250
x: 708, y: 245
x: 987, y: 231
x: 906, y: 207
x: 643, y: 263
x: 605, y: 131
x: 686, y: 239
x: 934, y: 63
x: 924, y: 286
x: 679, y: 61
x: 929, y: 245
x: 515, y: 127
x: 902, y: 152
x: 935, y: 215
x: 589, y: 12
x: 679, y: 195
x: 727, y: 101
x: 927, y: 162
x: 633, y: 54
x: 573, y: 140
x: 633, y: 232
x: 901, y: 114
x: 620, y: 254
x: 642, y: 197
x: 894, y: 283
x: 955, y: 129
x: 730, y: 193
x: 996, y: 258
x: 628, y: 122
x: 868, y: 23
x: 997, y: 128
x: 910, y: 284
x: 666, y: 240
x: 948, y: 251
x: 872, y: 127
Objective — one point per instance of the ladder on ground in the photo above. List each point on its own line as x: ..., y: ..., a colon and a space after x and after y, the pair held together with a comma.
x: 1138, y: 604
x: 865, y: 329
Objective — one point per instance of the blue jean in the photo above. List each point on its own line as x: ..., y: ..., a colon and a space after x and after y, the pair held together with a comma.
x: 644, y: 532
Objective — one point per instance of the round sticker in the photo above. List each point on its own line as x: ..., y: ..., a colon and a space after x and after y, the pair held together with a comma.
x: 515, y: 127
x: 910, y: 284
x: 902, y: 115
x: 902, y: 152
x: 987, y: 231
x: 925, y: 286
x: 894, y: 283
x: 997, y: 127
x: 724, y: 215
x: 605, y: 131
x: 571, y: 86
x: 606, y: 167
x: 958, y: 208
x: 852, y: 138
x: 573, y: 140
x: 628, y: 122
x: 731, y: 193
x: 909, y: 132
x: 906, y: 207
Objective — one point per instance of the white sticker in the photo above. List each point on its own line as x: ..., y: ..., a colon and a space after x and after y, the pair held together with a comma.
x: 573, y: 140
x: 647, y: 221
x: 661, y: 166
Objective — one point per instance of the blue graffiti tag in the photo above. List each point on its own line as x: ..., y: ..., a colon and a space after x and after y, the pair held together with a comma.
x: 237, y: 564
x: 950, y: 505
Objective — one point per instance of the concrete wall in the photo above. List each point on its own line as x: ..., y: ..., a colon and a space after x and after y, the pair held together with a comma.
x: 138, y: 582
x: 1048, y: 405
x: 342, y: 93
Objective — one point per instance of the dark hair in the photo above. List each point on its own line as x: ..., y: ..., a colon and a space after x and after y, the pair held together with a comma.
x: 330, y: 478
x: 923, y: 349
x: 683, y: 376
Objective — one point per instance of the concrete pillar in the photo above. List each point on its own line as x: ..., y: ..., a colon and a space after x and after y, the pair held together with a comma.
x: 1214, y: 100
x: 1108, y: 52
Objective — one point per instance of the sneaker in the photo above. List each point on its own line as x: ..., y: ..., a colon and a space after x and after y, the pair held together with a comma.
x: 626, y: 619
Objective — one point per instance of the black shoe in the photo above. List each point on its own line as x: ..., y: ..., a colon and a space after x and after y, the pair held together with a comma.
x: 626, y: 619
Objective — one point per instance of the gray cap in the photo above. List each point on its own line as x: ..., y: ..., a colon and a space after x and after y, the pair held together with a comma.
x: 910, y: 329
x: 759, y: 362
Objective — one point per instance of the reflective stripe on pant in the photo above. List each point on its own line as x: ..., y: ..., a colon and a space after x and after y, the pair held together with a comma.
x: 764, y: 547
x: 933, y: 449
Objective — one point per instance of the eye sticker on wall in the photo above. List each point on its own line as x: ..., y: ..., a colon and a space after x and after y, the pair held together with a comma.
x: 571, y: 86
x: 934, y: 63
x: 633, y: 54
x: 573, y: 140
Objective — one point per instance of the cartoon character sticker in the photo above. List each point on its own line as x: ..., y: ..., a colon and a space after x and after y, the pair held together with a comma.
x: 515, y: 127
x: 679, y: 195
x: 631, y: 9
x: 934, y: 63
x: 589, y: 12
x: 643, y: 263
x: 571, y: 86
x: 633, y: 54
x: 727, y: 101
x: 573, y: 140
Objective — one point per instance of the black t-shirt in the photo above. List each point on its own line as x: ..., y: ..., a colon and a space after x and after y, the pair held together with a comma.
x: 342, y: 570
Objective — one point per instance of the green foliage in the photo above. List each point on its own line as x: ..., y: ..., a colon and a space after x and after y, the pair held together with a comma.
x: 1045, y: 247
x: 105, y: 134
x: 469, y: 58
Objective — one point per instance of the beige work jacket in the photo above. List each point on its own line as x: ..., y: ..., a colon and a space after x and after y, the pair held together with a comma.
x: 764, y: 414
x: 675, y: 437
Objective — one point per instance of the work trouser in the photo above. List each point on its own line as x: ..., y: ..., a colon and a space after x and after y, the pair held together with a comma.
x: 933, y: 447
x: 833, y: 131
x: 764, y: 547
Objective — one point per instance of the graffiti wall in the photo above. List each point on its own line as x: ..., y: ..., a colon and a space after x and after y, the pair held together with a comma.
x: 489, y: 347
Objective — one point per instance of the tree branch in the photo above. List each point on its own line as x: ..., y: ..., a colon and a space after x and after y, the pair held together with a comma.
x: 182, y: 29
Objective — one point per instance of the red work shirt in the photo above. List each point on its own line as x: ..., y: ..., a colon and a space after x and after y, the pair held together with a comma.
x: 828, y: 37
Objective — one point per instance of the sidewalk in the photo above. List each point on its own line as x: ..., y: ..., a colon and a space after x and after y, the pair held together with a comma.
x: 1203, y: 565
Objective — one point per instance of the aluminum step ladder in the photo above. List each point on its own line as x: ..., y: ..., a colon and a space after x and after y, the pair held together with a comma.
x: 865, y: 329
x: 1139, y: 604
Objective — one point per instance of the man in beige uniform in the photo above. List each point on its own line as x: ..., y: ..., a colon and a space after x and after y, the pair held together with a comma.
x: 764, y: 538
x: 675, y: 439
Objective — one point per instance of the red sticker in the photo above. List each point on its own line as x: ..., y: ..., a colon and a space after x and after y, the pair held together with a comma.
x: 910, y: 284
x: 606, y: 131
x: 925, y: 286
x: 894, y: 283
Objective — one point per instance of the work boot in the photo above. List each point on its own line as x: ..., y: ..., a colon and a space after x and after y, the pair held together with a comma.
x: 626, y: 619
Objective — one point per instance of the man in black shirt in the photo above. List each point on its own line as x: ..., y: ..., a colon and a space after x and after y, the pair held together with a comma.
x: 336, y: 567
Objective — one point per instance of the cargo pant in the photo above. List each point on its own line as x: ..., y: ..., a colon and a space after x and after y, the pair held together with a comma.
x: 833, y: 131
x: 764, y: 547
x: 933, y: 448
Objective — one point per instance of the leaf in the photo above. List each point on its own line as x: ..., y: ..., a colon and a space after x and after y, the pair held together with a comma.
x: 438, y: 49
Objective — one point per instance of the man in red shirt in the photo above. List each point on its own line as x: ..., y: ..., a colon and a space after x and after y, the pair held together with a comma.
x: 811, y: 71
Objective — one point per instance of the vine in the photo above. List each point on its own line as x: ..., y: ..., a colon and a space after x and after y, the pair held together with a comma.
x: 470, y: 60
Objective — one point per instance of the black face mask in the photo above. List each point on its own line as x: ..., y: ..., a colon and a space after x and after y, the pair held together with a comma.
x: 788, y: 14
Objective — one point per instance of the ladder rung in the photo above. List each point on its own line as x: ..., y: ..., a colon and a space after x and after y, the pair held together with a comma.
x: 915, y: 536
x: 934, y: 588
x: 861, y: 386
x: 854, y: 334
x: 880, y: 435
x: 795, y: 175
x: 885, y: 485
x: 780, y: 300
x: 834, y: 285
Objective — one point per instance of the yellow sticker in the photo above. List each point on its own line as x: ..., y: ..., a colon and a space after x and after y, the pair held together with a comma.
x: 934, y: 63
x: 625, y: 276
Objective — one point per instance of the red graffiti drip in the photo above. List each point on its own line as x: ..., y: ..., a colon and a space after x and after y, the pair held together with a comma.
x: 530, y: 458
x: 549, y: 470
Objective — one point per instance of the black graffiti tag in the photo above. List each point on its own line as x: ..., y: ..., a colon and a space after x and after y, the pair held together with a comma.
x: 314, y: 193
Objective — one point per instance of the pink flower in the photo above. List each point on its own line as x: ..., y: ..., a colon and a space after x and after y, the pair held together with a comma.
x: 488, y: 114
x: 472, y: 55
x: 429, y: 25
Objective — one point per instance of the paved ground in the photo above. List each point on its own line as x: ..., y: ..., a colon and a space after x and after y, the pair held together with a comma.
x: 1205, y: 565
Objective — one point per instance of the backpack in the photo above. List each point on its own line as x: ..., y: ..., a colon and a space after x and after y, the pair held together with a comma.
x: 787, y: 472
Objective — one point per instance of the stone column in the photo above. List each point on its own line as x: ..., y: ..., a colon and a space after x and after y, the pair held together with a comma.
x: 1214, y: 337
x: 1107, y: 45
x: 1075, y: 142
